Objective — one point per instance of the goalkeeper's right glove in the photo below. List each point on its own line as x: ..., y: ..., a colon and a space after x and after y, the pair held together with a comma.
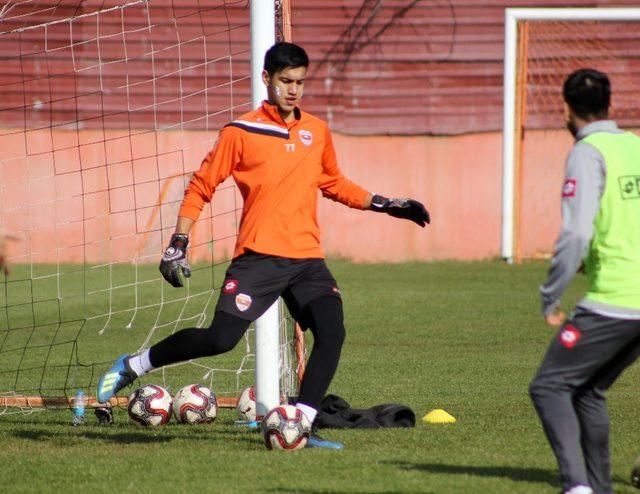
x: 175, y: 258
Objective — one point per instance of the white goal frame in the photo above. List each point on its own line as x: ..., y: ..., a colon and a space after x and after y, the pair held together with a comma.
x: 267, y: 326
x: 509, y: 134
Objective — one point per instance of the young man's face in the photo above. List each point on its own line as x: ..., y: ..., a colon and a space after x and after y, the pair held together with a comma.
x: 285, y: 87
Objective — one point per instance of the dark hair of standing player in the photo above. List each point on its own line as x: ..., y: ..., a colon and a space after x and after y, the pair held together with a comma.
x: 283, y: 55
x: 588, y: 94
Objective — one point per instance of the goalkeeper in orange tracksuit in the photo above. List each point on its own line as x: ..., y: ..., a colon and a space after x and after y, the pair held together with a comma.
x: 279, y: 157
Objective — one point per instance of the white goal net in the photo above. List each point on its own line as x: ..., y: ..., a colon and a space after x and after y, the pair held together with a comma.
x: 107, y: 109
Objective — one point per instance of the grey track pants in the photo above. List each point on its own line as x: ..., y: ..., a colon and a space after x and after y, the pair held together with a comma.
x: 584, y: 359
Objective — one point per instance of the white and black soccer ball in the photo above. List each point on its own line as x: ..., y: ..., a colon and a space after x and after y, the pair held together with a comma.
x: 150, y: 405
x: 286, y: 428
x: 246, y: 406
x: 195, y: 404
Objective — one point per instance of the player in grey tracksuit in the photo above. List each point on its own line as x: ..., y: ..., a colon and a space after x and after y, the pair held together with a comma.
x: 600, y: 232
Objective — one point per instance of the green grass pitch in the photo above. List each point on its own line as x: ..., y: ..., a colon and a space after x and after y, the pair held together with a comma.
x: 466, y: 337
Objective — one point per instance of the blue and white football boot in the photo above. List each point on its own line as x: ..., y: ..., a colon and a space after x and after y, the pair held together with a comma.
x: 116, y: 378
x: 316, y: 441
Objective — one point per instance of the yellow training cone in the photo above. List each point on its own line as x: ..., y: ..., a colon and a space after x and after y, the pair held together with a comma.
x: 438, y: 416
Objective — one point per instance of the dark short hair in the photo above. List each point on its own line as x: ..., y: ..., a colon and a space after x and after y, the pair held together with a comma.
x: 284, y: 55
x: 588, y: 93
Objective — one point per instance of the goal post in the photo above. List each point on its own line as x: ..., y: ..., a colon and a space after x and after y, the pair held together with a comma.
x: 265, y: 16
x: 263, y: 35
x: 608, y: 48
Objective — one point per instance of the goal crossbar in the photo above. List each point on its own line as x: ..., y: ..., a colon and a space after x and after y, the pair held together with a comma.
x: 509, y: 135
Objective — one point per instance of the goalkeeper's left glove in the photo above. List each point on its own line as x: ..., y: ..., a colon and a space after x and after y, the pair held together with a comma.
x: 409, y: 209
x: 174, y: 259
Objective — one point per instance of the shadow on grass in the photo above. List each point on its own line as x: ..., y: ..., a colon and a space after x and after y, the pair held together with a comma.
x: 286, y: 490
x: 137, y: 437
x: 517, y: 474
x: 121, y: 438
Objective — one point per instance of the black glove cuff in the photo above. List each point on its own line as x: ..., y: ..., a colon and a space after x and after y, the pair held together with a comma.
x: 179, y: 240
x: 379, y: 203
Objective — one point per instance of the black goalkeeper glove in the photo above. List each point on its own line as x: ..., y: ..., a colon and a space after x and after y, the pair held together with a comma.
x: 174, y: 258
x: 408, y: 209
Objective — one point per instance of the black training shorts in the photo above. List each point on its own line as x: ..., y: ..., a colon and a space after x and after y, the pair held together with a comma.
x: 253, y: 282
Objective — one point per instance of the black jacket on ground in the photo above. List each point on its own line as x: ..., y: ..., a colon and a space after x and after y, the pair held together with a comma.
x: 335, y: 413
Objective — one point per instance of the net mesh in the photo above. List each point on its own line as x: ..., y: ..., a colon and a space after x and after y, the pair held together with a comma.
x: 549, y: 52
x: 107, y: 109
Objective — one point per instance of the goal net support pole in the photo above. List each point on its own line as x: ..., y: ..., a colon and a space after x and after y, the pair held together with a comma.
x: 511, y: 127
x: 263, y: 36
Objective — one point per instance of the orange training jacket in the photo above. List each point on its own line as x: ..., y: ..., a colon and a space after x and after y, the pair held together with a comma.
x: 278, y: 168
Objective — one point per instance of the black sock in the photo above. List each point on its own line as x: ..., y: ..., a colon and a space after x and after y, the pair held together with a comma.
x: 223, y: 335
x: 325, y: 319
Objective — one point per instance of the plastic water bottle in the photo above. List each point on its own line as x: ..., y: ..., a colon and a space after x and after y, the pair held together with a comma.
x: 78, y: 405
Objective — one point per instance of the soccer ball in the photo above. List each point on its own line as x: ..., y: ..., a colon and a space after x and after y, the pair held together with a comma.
x: 150, y: 405
x: 195, y: 404
x: 246, y: 406
x: 286, y: 427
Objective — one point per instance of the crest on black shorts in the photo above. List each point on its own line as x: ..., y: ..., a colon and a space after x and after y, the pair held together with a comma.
x: 243, y: 302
